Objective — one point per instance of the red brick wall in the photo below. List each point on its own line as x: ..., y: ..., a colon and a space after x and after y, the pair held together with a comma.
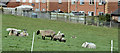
x: 55, y: 6
x: 43, y: 6
x: 86, y: 7
x: 112, y: 6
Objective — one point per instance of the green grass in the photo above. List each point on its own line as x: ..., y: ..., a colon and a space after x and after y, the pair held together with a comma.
x: 101, y: 36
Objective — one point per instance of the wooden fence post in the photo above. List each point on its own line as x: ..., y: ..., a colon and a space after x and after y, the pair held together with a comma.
x: 85, y: 19
x: 50, y: 15
x: 57, y: 15
x: 97, y: 21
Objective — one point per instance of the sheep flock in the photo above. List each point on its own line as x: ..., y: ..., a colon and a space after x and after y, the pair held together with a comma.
x: 47, y: 33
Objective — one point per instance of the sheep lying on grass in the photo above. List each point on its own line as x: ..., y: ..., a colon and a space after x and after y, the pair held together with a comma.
x: 59, y: 37
x: 15, y: 32
x: 12, y: 31
x: 46, y: 33
x: 24, y: 33
x: 89, y: 45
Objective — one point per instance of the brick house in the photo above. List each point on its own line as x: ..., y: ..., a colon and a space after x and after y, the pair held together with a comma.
x: 47, y: 5
x: 93, y: 7
x: 89, y: 7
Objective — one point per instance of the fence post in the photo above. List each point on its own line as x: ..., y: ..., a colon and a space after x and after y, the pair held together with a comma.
x: 65, y: 17
x: 110, y: 24
x: 85, y: 20
x: 50, y: 15
x: 57, y: 15
x: 78, y: 19
x: 97, y: 21
x: 69, y: 17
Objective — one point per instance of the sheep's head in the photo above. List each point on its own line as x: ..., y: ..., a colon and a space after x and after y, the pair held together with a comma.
x: 38, y: 32
x: 85, y: 44
x: 62, y: 34
x: 12, y: 31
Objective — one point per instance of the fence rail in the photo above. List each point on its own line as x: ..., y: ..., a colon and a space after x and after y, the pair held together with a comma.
x: 67, y: 17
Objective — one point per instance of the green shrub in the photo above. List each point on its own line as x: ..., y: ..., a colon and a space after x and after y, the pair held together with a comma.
x: 104, y: 17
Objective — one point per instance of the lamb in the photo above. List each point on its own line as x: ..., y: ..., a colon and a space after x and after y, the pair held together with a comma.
x: 89, y: 45
x: 59, y: 36
x: 24, y: 33
x: 46, y: 33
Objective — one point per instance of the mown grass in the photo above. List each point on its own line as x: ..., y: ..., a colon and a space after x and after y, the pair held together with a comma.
x: 101, y: 36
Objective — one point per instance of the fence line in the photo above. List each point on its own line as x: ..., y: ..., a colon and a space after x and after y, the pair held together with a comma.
x: 67, y: 17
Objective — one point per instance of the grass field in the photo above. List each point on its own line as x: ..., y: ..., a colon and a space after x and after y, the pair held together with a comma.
x: 101, y: 36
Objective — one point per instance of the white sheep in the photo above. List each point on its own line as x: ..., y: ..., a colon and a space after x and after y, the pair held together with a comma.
x: 89, y: 45
x: 12, y: 31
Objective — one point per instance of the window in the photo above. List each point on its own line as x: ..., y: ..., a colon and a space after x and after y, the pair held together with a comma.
x: 119, y: 19
x: 90, y: 13
x: 17, y: 0
x: 118, y: 3
x: 60, y: 1
x: 81, y: 11
x: 30, y: 1
x: 23, y: 0
x: 100, y: 2
x: 73, y: 1
x: 100, y: 13
x: 43, y: 1
x: 43, y: 9
x: 59, y: 10
x: 81, y: 2
x: 37, y: 9
x: 91, y: 2
x: 37, y: 1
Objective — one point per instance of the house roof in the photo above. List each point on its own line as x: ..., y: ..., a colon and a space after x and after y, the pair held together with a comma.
x: 4, y: 1
x: 116, y: 12
x: 2, y: 4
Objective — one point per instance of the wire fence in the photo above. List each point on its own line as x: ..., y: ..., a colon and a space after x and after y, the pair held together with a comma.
x: 67, y: 17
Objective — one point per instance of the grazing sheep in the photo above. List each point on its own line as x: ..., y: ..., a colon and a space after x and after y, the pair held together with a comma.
x: 58, y: 36
x: 89, y: 45
x: 46, y: 33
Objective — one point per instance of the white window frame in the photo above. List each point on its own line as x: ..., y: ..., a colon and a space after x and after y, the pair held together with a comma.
x: 100, y: 2
x: 118, y: 18
x: 30, y: 1
x: 43, y: 9
x: 43, y: 1
x: 100, y: 13
x: 23, y: 0
x: 17, y: 0
x: 60, y: 1
x: 37, y: 9
x: 72, y: 1
x: 91, y: 2
x: 90, y: 13
x: 81, y: 2
x: 37, y: 1
x: 82, y: 11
